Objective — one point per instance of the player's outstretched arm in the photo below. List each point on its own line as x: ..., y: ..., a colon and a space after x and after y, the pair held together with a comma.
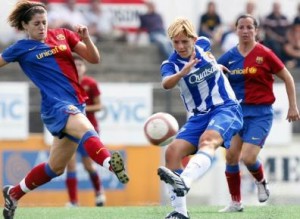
x: 2, y: 62
x: 293, y: 112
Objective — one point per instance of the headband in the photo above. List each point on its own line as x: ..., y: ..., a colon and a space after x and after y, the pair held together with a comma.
x: 31, y: 8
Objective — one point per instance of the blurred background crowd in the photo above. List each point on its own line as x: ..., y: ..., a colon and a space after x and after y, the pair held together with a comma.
x: 278, y: 30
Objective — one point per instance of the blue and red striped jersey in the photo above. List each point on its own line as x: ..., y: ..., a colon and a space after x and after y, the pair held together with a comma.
x: 252, y: 76
x: 50, y: 65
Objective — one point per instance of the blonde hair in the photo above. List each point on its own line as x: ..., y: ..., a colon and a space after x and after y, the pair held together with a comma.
x: 182, y: 25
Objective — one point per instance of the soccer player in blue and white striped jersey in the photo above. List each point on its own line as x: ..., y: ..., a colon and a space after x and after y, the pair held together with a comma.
x: 208, y: 97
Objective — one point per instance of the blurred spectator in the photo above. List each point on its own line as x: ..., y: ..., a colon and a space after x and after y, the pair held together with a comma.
x: 101, y: 23
x: 152, y: 23
x: 275, y: 27
x: 297, y: 17
x: 210, y: 23
x: 12, y: 35
x: 46, y: 3
x: 66, y: 16
x: 250, y: 8
x: 292, y: 47
x: 229, y: 38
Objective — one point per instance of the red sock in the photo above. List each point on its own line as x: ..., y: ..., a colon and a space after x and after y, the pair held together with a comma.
x: 71, y: 184
x: 35, y: 178
x: 96, y: 182
x: 96, y: 149
x: 258, y: 174
x: 234, y: 185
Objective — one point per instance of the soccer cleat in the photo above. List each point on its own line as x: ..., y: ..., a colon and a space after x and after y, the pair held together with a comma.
x: 174, y: 180
x: 10, y: 205
x: 233, y: 207
x: 118, y: 168
x: 100, y: 200
x: 263, y: 191
x: 176, y: 215
x: 71, y: 205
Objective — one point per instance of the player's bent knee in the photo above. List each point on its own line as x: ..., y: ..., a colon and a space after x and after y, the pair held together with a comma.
x: 87, y: 135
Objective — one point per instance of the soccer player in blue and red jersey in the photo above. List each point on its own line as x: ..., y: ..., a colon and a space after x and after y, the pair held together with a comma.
x: 93, y: 104
x: 216, y: 115
x: 46, y: 58
x: 252, y: 67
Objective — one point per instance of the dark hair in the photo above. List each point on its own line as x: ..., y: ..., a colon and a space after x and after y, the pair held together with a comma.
x: 255, y: 22
x: 24, y: 11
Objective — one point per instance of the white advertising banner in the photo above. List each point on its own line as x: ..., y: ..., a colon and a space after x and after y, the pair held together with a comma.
x: 14, y: 101
x: 126, y: 108
x: 125, y: 14
x: 282, y: 130
x: 282, y: 168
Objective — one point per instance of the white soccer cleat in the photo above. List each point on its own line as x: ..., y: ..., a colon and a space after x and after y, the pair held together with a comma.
x: 100, y: 200
x: 172, y: 178
x: 233, y: 207
x: 263, y: 191
x: 71, y: 205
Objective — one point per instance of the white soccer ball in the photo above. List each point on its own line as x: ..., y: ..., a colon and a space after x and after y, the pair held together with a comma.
x: 161, y: 128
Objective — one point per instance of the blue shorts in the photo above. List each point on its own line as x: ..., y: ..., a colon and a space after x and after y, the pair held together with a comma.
x: 55, y: 118
x: 226, y: 119
x: 258, y: 121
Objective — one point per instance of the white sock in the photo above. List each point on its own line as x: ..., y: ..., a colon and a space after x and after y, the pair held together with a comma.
x: 178, y: 203
x: 197, y: 166
x: 23, y: 186
x: 106, y: 163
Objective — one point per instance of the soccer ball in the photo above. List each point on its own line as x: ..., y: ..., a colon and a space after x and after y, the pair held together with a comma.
x: 160, y: 128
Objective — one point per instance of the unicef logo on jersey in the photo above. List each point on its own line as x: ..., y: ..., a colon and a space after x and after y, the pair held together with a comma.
x: 202, y: 74
x: 52, y: 51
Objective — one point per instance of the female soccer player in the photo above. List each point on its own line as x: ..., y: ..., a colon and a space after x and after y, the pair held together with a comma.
x: 252, y: 67
x: 46, y: 58
x: 215, y: 113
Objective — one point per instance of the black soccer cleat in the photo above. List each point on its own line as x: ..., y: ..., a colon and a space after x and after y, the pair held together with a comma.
x: 10, y: 205
x: 176, y: 215
x: 172, y: 178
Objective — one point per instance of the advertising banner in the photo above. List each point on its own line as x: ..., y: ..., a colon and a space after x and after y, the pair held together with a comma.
x: 124, y: 12
x: 281, y: 131
x: 14, y: 110
x: 16, y: 164
x: 17, y: 158
x: 126, y: 108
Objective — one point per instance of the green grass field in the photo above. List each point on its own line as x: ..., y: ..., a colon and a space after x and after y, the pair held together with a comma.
x: 156, y: 212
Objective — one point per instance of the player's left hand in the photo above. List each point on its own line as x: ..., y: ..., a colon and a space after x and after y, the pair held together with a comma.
x: 224, y: 68
x: 82, y: 31
x: 293, y: 114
